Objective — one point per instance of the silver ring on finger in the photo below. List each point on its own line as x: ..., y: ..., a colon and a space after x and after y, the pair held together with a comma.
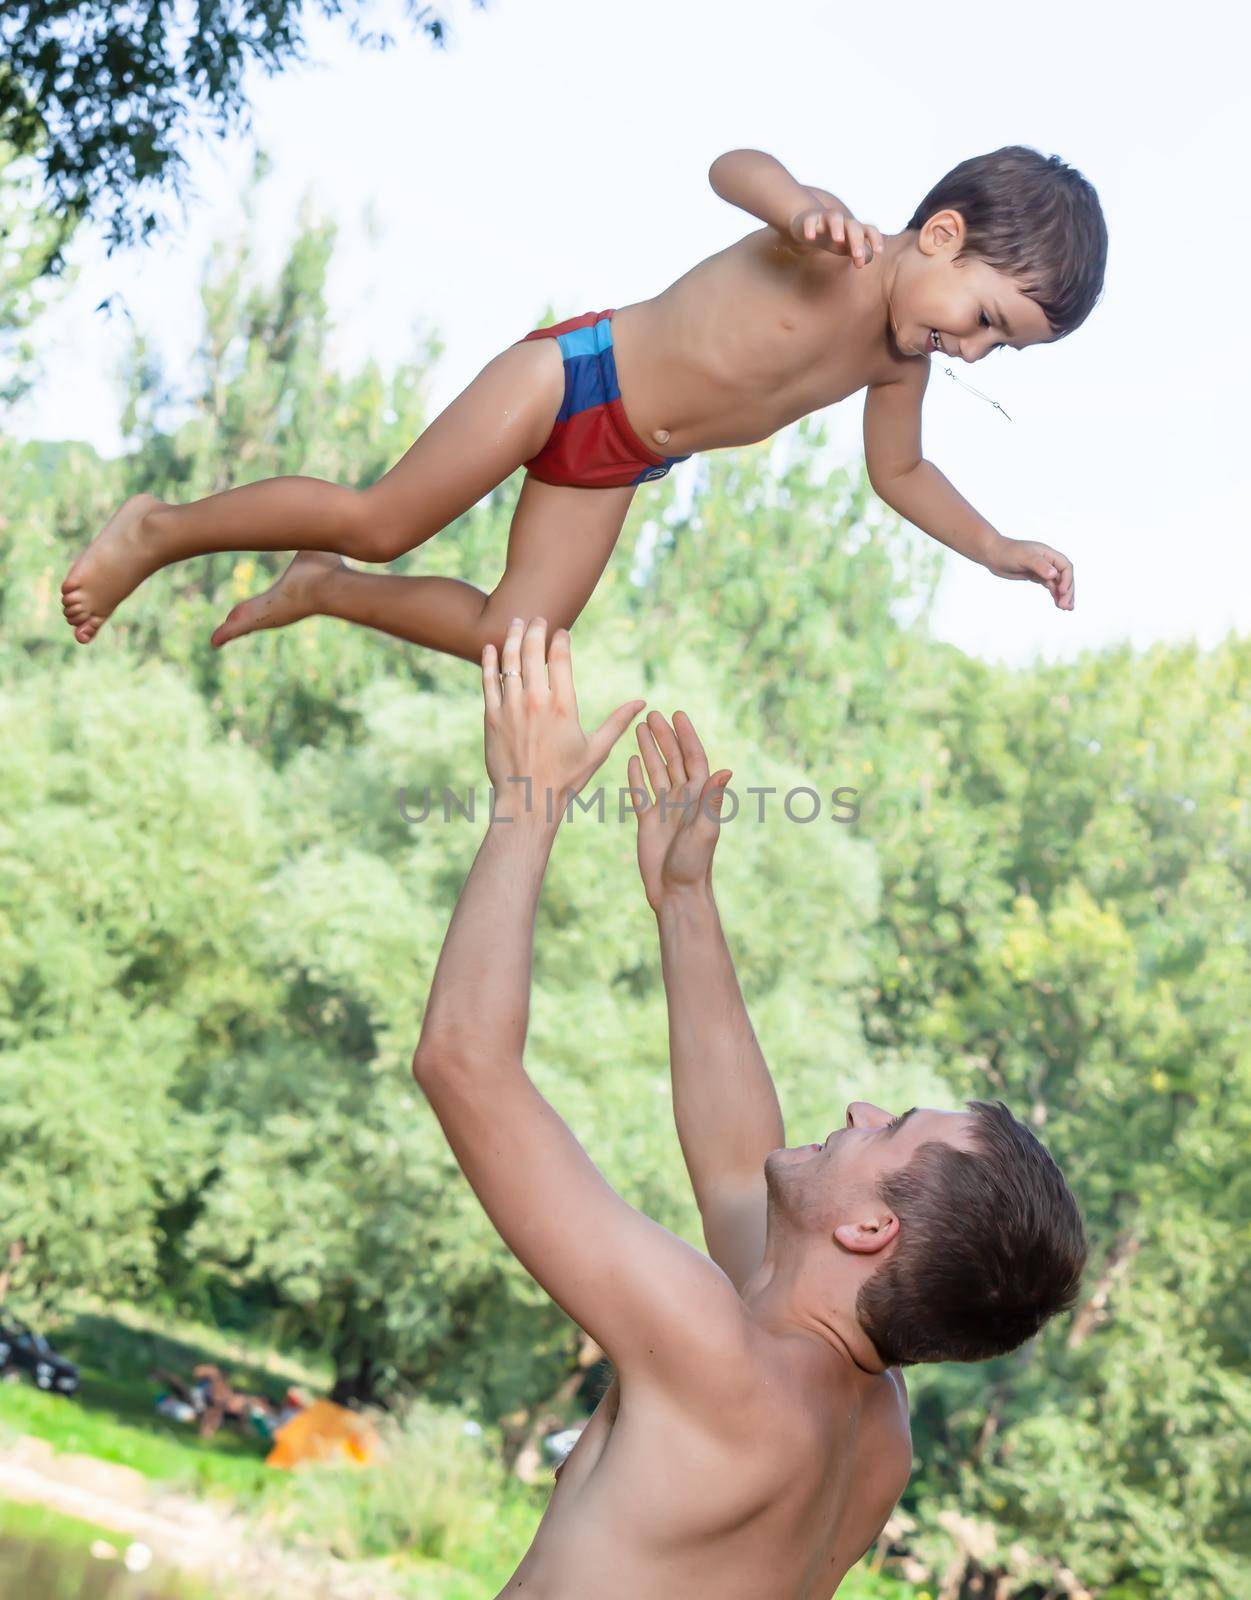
x: 510, y: 672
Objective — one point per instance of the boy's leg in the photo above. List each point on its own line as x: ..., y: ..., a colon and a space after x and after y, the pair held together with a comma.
x: 559, y: 543
x: 502, y: 419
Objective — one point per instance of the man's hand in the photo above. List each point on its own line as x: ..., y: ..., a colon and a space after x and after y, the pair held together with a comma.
x: 678, y: 831
x: 839, y: 233
x: 537, y: 755
x: 1039, y: 563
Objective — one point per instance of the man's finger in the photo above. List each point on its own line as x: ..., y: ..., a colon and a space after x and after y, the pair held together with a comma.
x: 669, y: 748
x: 696, y: 762
x: 534, y: 657
x: 652, y: 758
x: 610, y: 730
x: 491, y: 678
x: 560, y: 671
x: 639, y: 796
x: 712, y: 798
x: 510, y: 661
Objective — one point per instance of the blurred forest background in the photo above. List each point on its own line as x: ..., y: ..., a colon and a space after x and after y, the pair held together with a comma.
x: 217, y: 930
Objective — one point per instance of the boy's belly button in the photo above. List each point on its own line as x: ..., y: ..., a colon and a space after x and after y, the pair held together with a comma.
x: 661, y: 435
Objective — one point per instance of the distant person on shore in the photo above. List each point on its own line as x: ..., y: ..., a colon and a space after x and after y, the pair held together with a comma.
x: 755, y: 1438
x: 1006, y: 251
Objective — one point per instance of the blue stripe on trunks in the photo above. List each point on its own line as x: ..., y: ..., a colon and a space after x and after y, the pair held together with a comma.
x: 587, y: 341
x: 590, y: 380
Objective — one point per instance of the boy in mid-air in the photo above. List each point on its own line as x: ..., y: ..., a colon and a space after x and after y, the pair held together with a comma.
x: 1007, y: 249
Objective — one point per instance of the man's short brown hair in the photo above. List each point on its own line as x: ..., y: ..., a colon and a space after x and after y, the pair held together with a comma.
x: 990, y: 1247
x: 1036, y: 219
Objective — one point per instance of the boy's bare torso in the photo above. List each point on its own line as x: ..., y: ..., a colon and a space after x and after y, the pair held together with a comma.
x: 748, y: 341
x: 768, y: 1485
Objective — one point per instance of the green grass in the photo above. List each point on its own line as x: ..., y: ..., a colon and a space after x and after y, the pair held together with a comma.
x: 112, y: 1416
x: 101, y: 1422
x: 38, y: 1523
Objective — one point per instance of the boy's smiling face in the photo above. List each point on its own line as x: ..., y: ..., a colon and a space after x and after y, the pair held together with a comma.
x: 957, y: 308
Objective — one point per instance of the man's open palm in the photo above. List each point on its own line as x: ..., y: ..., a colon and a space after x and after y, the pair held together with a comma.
x: 679, y: 827
x: 537, y: 753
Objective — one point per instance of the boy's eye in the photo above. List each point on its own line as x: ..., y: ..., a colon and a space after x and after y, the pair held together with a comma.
x: 983, y: 320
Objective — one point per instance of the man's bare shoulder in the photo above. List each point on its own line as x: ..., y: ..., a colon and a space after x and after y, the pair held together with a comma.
x: 895, y: 1426
x: 898, y: 1392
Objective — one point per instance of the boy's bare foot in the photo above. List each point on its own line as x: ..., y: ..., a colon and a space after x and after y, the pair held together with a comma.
x: 295, y: 595
x: 116, y: 562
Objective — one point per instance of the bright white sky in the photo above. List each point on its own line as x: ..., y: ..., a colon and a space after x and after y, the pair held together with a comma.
x: 557, y: 154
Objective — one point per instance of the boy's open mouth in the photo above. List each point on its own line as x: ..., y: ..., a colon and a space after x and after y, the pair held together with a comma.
x: 936, y: 340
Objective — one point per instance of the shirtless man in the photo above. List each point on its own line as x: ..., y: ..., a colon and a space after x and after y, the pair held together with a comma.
x: 1007, y: 250
x: 755, y: 1438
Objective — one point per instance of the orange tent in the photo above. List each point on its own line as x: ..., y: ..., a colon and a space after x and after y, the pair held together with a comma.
x: 324, y: 1431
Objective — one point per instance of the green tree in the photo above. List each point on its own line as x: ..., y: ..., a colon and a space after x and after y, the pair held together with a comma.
x: 105, y: 97
x: 30, y: 238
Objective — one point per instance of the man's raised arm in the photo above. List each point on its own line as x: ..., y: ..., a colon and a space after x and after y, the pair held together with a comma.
x: 724, y: 1102
x: 658, y: 1307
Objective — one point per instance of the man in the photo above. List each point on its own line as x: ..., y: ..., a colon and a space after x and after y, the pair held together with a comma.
x: 755, y: 1438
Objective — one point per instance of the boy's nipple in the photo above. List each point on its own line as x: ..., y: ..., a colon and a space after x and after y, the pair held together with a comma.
x: 661, y: 436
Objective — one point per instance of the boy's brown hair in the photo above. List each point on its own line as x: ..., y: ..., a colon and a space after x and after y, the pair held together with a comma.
x: 1036, y: 219
x: 990, y: 1247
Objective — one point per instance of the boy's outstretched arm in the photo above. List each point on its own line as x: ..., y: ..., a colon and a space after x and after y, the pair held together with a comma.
x: 724, y: 1102
x: 917, y: 490
x: 661, y: 1310
x: 807, y: 217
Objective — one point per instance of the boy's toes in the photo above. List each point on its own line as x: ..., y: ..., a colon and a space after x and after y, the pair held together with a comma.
x: 241, y: 619
x: 86, y: 631
x: 224, y: 631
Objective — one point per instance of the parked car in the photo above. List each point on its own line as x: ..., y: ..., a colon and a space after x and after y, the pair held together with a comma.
x: 24, y: 1350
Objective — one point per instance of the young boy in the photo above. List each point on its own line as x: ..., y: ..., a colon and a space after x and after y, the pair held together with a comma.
x: 1008, y: 249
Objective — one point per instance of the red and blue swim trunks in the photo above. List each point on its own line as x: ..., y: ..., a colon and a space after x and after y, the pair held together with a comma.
x: 592, y: 444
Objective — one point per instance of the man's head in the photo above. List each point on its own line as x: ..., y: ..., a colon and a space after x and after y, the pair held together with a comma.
x: 957, y: 1232
x: 1007, y: 250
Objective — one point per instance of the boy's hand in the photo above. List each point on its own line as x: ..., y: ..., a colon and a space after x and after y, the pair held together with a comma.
x: 839, y: 233
x: 678, y: 831
x: 1022, y: 558
x: 537, y: 755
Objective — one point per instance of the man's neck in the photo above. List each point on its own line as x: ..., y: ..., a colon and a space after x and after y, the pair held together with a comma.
x: 787, y: 1302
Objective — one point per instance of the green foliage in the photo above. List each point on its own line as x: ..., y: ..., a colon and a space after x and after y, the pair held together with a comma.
x: 217, y: 928
x: 31, y: 237
x: 437, y: 1491
x: 105, y: 97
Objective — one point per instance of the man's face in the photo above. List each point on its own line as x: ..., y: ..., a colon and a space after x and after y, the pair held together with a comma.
x: 826, y: 1183
x: 961, y: 309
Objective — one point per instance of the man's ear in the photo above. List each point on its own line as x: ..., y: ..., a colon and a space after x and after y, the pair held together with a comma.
x: 869, y: 1235
x: 942, y: 234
